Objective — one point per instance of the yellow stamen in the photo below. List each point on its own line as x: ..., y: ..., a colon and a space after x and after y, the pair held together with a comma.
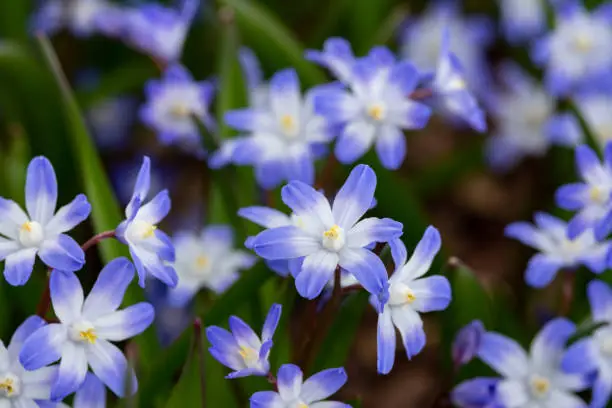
x: 88, y: 335
x: 149, y: 232
x: 302, y: 405
x: 376, y: 112
x: 180, y: 110
x: 7, y: 386
x: 410, y: 297
x: 332, y: 233
x: 540, y: 385
x: 457, y: 83
x: 583, y: 43
x: 27, y: 226
x: 288, y: 123
x: 595, y: 194
x: 201, y: 261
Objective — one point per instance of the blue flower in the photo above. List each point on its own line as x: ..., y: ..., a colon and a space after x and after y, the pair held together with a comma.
x: 522, y: 21
x: 525, y: 121
x: 592, y: 354
x: 332, y: 236
x: 18, y: 387
x: 410, y: 295
x: 577, y: 51
x: 151, y: 249
x: 476, y: 393
x: 466, y: 343
x: 337, y: 56
x: 91, y: 395
x: 591, y: 198
x: 374, y: 108
x: 537, y: 378
x: 281, y: 135
x: 242, y: 350
x: 171, y: 105
x: 85, y: 330
x: 293, y: 391
x: 206, y: 260
x: 23, y: 236
x: 556, y: 250
x: 80, y: 16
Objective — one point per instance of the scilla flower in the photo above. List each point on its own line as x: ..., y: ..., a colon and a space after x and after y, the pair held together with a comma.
x: 534, y: 379
x: 206, y: 260
x: 85, y: 330
x: 242, y: 350
x: 40, y: 232
x: 172, y: 106
x: 20, y: 388
x: 150, y: 248
x: 294, y: 392
x: 410, y: 295
x: 332, y: 236
x: 556, y: 250
x: 375, y: 109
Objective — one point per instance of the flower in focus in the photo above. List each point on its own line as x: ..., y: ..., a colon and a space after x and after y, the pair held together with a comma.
x: 556, y: 250
x: 79, y: 16
x: 85, y: 330
x: 537, y: 378
x: 293, y: 391
x: 410, y: 295
x: 172, y: 106
x: 242, y: 350
x: 593, y: 353
x: 206, y: 260
x: 23, y: 236
x: 466, y: 343
x: 374, y: 108
x: 577, y: 50
x: 590, y: 198
x: 91, y: 395
x: 521, y: 21
x: 331, y: 236
x: 282, y: 135
x: 150, y: 248
x: 476, y: 393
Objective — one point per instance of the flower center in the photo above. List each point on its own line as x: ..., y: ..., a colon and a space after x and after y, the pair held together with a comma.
x: 202, y: 262
x: 333, y: 238
x: 301, y: 405
x: 597, y: 195
x: 180, y: 110
x: 139, y: 230
x: 83, y: 332
x: 31, y: 234
x: 289, y: 125
x: 250, y: 356
x: 606, y: 346
x: 401, y: 294
x: 539, y: 386
x: 582, y: 43
x: 376, y: 112
x: 10, y: 386
x: 457, y: 84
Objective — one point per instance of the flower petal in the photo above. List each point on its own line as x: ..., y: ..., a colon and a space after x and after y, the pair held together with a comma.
x: 548, y: 346
x: 43, y: 347
x: 264, y: 216
x: 108, y: 291
x: 600, y: 299
x: 354, y: 141
x: 41, y: 190
x: 141, y: 189
x: 398, y: 253
x: 541, y: 270
x: 66, y: 296
x: 267, y: 399
x: 526, y: 233
x: 432, y: 293
x: 581, y: 357
x: 336, y: 105
x: 372, y: 230
x: 355, y: 196
x: 110, y: 365
x: 156, y: 209
x: 367, y: 268
x: 477, y: 392
x: 271, y: 322
x: 572, y: 196
x: 149, y: 262
x: 18, y: 266
x: 244, y: 335
x: 72, y: 371
x: 559, y: 398
x: 126, y: 323
x: 221, y: 339
x: 290, y: 380
x: 37, y: 384
x: 69, y: 216
x: 410, y: 326
x: 588, y: 164
x: 323, y: 384
x: 307, y: 202
x: 25, y: 330
x: 317, y: 270
x: 8, y: 247
x: 391, y: 147
x: 386, y: 342
x: 284, y: 93
x: 513, y: 394
x: 92, y: 393
x: 12, y: 218
x: 421, y: 259
x: 284, y: 243
x: 62, y: 253
x: 504, y: 355
x: 602, y: 389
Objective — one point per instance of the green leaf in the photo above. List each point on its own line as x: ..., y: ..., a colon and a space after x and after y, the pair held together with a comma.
x: 14, y: 19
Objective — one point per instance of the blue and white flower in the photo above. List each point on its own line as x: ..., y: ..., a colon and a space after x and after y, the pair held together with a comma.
x: 40, y: 231
x: 556, y: 250
x: 331, y: 236
x: 79, y: 16
x: 537, y: 378
x: 151, y: 249
x: 173, y: 104
x: 294, y: 392
x: 282, y: 136
x: 410, y: 295
x: 374, y: 109
x: 522, y: 20
x: 476, y: 393
x: 207, y: 260
x: 20, y: 388
x: 593, y: 354
x: 242, y: 350
x: 577, y: 51
x: 92, y: 394
x: 85, y: 330
x: 592, y: 197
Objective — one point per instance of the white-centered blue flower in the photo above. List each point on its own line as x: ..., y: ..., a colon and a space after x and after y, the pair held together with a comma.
x: 151, y: 249
x: 535, y: 379
x: 86, y: 328
x: 173, y: 104
x: 206, y: 260
x: 374, y: 108
x: 281, y: 137
x: 593, y: 354
x: 294, y: 392
x: 332, y: 236
x: 410, y: 295
x: 79, y: 16
x: 92, y: 394
x: 556, y: 250
x: 522, y: 20
x: 40, y: 231
x: 242, y: 350
x: 591, y: 198
x: 577, y: 50
x: 20, y: 388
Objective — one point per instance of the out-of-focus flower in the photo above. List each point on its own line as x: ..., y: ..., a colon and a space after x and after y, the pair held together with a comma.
x: 577, y: 51
x: 170, y: 320
x: 40, y: 232
x: 337, y: 56
x: 111, y: 119
x: 258, y: 89
x: 172, y: 106
x: 85, y: 330
x: 91, y: 395
x: 523, y: 20
x: 151, y: 249
x: 242, y: 350
x: 476, y: 393
x: 592, y: 197
x: 595, y: 108
x: 410, y: 295
x: 332, y: 236
x: 206, y: 260
x: 556, y: 250
x: 536, y: 379
x: 282, y: 135
x: 592, y: 354
x: 525, y: 121
x: 466, y: 343
x: 293, y: 391
x: 79, y: 16
x: 374, y: 109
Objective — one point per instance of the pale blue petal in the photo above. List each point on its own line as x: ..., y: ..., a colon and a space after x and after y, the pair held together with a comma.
x: 421, y: 259
x: 146, y: 261
x: 513, y: 393
x: 159, y: 244
x: 8, y: 247
x: 504, y: 355
x: 371, y: 230
x: 578, y: 224
x: 323, y: 384
x: 221, y: 339
x: 410, y: 326
x: 295, y: 266
x: 244, y: 335
x: 108, y: 291
x: 477, y: 392
x: 264, y: 216
x: 229, y: 359
x: 290, y: 380
x: 92, y: 394
x: 66, y: 296
x: 404, y: 77
x: 317, y: 269
x: 337, y: 56
x: 600, y: 299
x: 245, y: 372
x: 41, y: 190
x: 69, y: 216
x: 12, y: 218
x: 62, y: 253
x: 354, y: 141
x: 398, y: 252
x: 248, y: 120
x: 43, y: 347
x: 432, y: 293
x: 271, y: 322
x: 336, y: 105
x: 549, y: 344
x: 110, y: 365
x: 72, y: 371
x: 581, y: 357
x: 411, y: 115
x: 391, y: 147
x: 300, y: 167
x: 141, y: 188
x: 329, y: 404
x: 355, y: 196
x: 524, y: 232
x: 305, y: 200
x: 156, y: 209
x: 18, y: 266
x: 368, y: 269
x: 587, y: 162
x: 267, y: 399
x: 602, y: 389
x: 572, y: 196
x: 250, y: 67
x: 126, y: 323
x: 541, y: 270
x: 284, y: 93
x: 385, y: 342
x: 25, y: 330
x: 284, y: 243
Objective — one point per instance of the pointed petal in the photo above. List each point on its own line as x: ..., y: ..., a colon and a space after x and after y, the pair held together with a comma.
x: 43, y: 347
x: 306, y: 201
x: 8, y: 247
x: 372, y: 230
x: 92, y: 393
x: 432, y: 293
x: 391, y: 147
x: 421, y: 259
x: 354, y: 141
x: 69, y: 216
x: 72, y: 371
x: 317, y: 270
x: 41, y: 190
x: 108, y: 291
x: 398, y: 253
x: 19, y: 265
x: 141, y: 189
x: 62, y: 253
x: 355, y: 196
x: 12, y: 218
x: 267, y: 399
x: 504, y: 355
x: 600, y: 299
x: 367, y: 268
x: 110, y: 365
x: 323, y: 384
x: 271, y: 322
x: 410, y: 326
x: 548, y: 346
x: 126, y: 323
x: 264, y: 216
x: 25, y: 330
x: 284, y: 93
x: 290, y: 380
x: 244, y: 335
x: 386, y: 342
x: 284, y: 243
x: 581, y: 357
x: 156, y: 209
x: 66, y: 296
